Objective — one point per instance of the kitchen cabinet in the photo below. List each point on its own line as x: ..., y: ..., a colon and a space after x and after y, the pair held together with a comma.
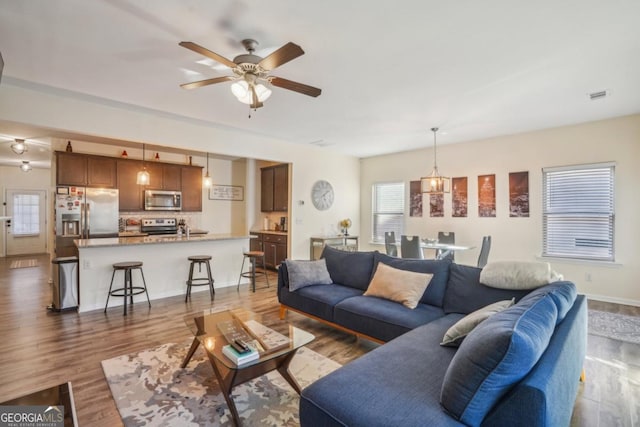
x: 273, y: 245
x: 256, y: 243
x: 191, y: 178
x: 130, y: 194
x: 164, y: 176
x: 71, y: 169
x: 274, y: 188
x: 101, y: 172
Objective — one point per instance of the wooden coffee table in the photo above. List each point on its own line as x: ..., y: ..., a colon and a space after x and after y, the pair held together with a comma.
x: 277, y: 342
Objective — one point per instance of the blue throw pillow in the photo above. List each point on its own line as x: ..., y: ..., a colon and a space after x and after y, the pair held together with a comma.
x: 434, y: 295
x: 496, y: 355
x: 353, y: 269
x: 562, y: 293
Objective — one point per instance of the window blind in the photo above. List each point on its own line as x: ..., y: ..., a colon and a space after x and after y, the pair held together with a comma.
x: 388, y: 210
x: 26, y: 215
x: 578, y: 212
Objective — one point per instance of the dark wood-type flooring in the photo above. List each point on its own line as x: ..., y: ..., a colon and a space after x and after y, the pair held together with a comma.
x: 39, y: 348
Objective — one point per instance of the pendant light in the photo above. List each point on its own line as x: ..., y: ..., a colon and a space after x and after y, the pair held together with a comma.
x: 207, y: 182
x: 143, y: 176
x: 435, y: 183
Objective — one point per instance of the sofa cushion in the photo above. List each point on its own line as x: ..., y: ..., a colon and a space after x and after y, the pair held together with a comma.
x: 495, y: 355
x: 351, y: 269
x: 402, y: 286
x: 563, y: 295
x: 434, y: 295
x: 382, y: 319
x: 307, y: 273
x: 317, y: 300
x: 465, y: 294
x: 455, y: 334
x: 518, y: 274
x: 397, y: 384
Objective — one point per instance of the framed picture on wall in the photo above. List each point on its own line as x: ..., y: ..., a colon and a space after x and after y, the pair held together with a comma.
x: 436, y: 205
x: 459, y: 197
x: 486, y: 196
x: 226, y: 192
x: 519, y: 194
x: 415, y: 199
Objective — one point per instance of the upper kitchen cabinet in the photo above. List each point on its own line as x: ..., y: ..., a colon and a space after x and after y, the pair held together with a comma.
x: 164, y: 176
x: 191, y: 188
x: 130, y: 194
x: 85, y: 170
x: 274, y: 188
x: 71, y: 169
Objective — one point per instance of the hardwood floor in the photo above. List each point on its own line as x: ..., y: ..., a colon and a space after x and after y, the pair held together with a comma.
x: 41, y: 349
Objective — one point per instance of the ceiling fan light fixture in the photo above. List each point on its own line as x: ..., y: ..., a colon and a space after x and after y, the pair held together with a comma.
x: 19, y: 147
x: 241, y: 91
x: 25, y: 166
x: 435, y: 183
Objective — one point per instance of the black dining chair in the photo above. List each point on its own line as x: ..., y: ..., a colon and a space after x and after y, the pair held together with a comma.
x: 390, y: 244
x: 448, y: 237
x: 484, y: 251
x: 410, y: 247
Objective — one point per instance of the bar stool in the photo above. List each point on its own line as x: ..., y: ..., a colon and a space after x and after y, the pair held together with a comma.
x: 128, y: 290
x: 251, y: 274
x: 199, y: 281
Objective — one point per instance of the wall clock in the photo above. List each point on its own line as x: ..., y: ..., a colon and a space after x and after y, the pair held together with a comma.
x: 322, y: 195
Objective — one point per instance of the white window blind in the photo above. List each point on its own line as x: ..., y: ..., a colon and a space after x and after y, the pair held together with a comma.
x: 26, y: 215
x: 388, y: 210
x: 578, y: 212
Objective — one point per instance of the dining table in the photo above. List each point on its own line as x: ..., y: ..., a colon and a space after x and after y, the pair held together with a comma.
x: 443, y: 249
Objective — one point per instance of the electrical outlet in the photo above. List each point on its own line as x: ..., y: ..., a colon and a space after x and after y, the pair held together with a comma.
x: 86, y: 264
x: 587, y: 277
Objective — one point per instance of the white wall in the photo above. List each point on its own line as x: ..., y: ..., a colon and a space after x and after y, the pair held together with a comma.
x: 11, y: 177
x: 61, y: 110
x: 521, y: 238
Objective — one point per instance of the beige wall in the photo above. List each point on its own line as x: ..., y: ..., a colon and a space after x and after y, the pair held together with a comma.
x: 615, y: 140
x: 56, y: 109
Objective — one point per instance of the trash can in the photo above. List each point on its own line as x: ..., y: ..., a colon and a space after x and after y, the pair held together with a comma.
x: 65, y: 283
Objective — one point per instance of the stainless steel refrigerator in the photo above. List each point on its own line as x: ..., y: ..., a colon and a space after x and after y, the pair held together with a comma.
x: 84, y: 213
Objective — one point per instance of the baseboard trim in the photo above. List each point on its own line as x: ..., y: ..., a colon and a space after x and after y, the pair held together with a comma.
x: 614, y: 300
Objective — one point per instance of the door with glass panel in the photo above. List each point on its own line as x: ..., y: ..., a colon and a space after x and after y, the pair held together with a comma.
x: 26, y: 232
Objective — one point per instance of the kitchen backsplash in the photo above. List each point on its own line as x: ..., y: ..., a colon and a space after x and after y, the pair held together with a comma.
x: 131, y: 222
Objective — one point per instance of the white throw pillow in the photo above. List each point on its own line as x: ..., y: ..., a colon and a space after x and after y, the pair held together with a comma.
x: 456, y: 333
x: 521, y: 275
x: 405, y: 287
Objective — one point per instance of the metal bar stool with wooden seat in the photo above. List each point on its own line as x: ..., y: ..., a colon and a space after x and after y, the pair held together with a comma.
x: 251, y: 274
x: 199, y: 281
x: 128, y: 291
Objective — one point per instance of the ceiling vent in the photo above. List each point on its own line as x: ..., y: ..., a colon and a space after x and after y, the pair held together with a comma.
x: 598, y: 95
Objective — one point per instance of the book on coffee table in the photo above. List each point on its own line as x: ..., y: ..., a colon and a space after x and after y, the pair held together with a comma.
x: 240, y: 358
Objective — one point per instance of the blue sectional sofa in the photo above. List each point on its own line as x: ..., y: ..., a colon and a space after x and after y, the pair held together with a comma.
x: 521, y: 366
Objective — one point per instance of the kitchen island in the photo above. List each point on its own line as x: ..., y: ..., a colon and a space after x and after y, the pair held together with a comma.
x: 166, y: 267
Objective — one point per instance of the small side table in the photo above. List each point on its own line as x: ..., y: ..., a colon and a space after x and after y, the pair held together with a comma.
x: 342, y: 242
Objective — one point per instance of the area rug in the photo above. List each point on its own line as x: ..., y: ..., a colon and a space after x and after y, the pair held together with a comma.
x: 24, y: 263
x: 615, y: 326
x: 150, y: 389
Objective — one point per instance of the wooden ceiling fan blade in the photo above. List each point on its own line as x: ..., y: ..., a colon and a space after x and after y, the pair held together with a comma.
x: 281, y: 56
x: 206, y: 82
x: 295, y: 86
x: 206, y: 52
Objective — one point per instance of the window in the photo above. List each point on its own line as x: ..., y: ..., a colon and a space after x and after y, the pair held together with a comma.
x: 578, y: 212
x: 26, y: 215
x: 388, y: 210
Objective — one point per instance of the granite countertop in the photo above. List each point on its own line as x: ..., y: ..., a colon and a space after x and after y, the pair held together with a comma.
x: 150, y: 240
x: 280, y: 233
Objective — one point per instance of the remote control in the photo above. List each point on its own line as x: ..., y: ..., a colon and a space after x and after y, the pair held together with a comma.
x: 240, y: 346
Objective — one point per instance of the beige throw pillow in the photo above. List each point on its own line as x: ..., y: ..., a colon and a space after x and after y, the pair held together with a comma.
x: 454, y: 336
x: 405, y: 287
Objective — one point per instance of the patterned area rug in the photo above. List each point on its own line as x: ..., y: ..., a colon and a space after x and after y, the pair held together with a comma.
x: 24, y: 263
x: 150, y: 389
x: 615, y: 326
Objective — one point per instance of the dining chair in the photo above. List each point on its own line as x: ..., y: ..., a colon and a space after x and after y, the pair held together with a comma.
x: 448, y: 237
x: 410, y: 247
x: 390, y: 245
x: 484, y: 251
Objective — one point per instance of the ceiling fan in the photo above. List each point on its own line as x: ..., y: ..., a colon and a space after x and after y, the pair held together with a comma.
x: 252, y: 78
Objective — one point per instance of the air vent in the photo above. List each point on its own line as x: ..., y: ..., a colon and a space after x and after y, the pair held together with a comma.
x: 598, y: 95
x: 321, y: 143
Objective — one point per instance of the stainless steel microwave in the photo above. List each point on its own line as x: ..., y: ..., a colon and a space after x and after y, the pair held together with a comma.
x: 159, y: 200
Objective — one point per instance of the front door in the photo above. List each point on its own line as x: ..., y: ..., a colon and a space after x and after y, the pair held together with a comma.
x: 26, y: 232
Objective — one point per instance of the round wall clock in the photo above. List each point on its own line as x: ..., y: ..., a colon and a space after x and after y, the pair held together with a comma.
x: 322, y: 195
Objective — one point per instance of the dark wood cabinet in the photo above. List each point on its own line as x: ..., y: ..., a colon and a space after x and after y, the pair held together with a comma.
x: 71, y: 169
x: 275, y: 249
x: 101, y: 172
x: 255, y: 244
x: 274, y: 188
x: 130, y: 194
x: 172, y: 177
x: 191, y: 177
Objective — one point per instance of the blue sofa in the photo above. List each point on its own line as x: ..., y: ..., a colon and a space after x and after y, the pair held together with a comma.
x: 519, y: 367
